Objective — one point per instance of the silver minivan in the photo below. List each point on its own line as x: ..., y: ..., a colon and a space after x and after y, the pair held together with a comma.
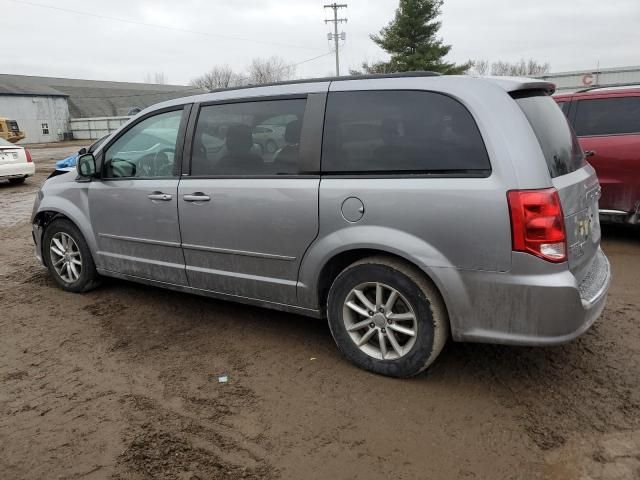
x: 403, y: 208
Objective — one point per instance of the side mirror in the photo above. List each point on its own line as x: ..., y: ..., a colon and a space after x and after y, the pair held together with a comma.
x: 86, y: 165
x: 82, y: 151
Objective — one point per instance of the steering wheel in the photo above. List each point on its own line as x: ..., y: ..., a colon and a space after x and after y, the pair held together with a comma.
x: 164, y: 166
x: 157, y: 165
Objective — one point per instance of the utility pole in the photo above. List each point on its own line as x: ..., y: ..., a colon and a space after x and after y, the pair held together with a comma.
x: 336, y: 38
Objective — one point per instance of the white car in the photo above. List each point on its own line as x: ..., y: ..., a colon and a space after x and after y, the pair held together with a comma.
x: 16, y: 163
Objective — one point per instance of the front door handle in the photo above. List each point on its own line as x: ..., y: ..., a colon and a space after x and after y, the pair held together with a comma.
x: 165, y: 197
x: 196, y: 197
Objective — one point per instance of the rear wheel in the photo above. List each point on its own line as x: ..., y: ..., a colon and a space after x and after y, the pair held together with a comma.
x: 68, y: 257
x: 387, y: 317
x: 17, y: 181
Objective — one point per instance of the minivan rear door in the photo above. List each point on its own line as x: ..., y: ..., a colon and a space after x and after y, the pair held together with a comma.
x: 574, y: 179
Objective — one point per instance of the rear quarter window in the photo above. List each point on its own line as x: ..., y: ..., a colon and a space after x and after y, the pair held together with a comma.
x: 557, y: 140
x: 401, y: 132
x: 608, y: 116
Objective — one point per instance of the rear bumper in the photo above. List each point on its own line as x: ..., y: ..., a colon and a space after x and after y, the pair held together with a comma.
x: 535, y: 308
x: 17, y: 170
x: 620, y: 216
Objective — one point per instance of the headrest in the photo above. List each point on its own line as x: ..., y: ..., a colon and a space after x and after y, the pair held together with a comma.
x: 239, y: 139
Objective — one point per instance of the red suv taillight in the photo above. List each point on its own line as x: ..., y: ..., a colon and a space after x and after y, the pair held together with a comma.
x: 537, y: 223
x: 28, y: 154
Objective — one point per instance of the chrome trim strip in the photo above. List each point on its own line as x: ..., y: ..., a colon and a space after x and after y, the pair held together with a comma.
x: 188, y: 246
x: 148, y: 261
x: 139, y: 240
x: 270, y: 256
x: 242, y: 276
x: 613, y: 212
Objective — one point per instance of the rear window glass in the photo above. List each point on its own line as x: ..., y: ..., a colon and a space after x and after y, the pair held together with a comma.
x: 401, y: 132
x: 608, y: 116
x: 556, y: 138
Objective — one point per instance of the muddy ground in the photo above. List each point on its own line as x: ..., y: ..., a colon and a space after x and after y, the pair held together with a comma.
x: 123, y: 383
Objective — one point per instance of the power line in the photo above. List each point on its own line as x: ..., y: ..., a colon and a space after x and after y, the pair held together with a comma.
x: 154, y: 25
x: 336, y: 38
x: 186, y: 90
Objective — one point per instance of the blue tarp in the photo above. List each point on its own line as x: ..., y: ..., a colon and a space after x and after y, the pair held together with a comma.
x: 67, y: 162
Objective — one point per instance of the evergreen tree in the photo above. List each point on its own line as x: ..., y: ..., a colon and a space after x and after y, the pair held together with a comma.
x: 410, y: 39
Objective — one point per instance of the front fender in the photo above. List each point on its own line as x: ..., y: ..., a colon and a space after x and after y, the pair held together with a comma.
x: 72, y: 203
x: 386, y: 240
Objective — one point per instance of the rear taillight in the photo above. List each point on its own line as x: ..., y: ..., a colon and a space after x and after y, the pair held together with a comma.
x: 28, y: 153
x: 537, y: 223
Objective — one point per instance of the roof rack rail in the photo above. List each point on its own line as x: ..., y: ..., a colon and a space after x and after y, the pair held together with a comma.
x: 419, y: 73
x: 612, y: 85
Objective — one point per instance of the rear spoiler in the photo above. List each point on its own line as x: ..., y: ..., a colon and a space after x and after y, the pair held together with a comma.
x: 514, y: 84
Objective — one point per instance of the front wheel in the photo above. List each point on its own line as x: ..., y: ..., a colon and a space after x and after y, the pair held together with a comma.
x: 387, y: 317
x: 68, y: 257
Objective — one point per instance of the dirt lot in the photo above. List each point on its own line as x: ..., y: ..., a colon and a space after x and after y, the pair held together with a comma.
x: 122, y: 383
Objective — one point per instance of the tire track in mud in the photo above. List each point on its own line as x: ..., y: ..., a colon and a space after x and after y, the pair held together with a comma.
x: 181, y: 423
x: 122, y: 383
x: 562, y: 392
x: 586, y: 387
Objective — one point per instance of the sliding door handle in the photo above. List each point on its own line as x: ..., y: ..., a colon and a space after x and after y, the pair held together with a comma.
x: 196, y: 197
x: 164, y: 197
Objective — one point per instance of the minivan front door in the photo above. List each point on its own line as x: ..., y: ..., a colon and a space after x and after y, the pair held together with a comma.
x: 247, y: 215
x: 133, y: 206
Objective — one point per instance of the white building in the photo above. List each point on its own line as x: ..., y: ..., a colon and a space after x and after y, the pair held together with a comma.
x: 603, y: 77
x: 53, y: 109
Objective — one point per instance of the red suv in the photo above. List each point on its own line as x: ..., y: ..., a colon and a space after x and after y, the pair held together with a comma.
x: 607, y: 123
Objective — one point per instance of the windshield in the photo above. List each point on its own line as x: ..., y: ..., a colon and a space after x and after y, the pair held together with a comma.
x: 556, y: 138
x: 97, y: 143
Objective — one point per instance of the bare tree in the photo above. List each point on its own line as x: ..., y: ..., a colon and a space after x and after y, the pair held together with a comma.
x: 522, y: 68
x: 221, y: 76
x: 269, y: 70
x: 261, y: 71
x: 479, y: 67
x: 159, y: 78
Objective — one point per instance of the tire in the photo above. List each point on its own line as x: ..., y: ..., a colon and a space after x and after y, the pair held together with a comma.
x: 53, y: 242
x: 415, y: 297
x: 17, y: 181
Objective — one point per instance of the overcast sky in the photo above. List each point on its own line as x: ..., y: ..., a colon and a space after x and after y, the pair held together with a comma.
x: 570, y: 34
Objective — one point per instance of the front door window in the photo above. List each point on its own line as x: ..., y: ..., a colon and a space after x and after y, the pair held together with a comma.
x: 147, y: 150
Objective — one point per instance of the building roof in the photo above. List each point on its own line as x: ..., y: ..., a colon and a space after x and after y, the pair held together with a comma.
x: 93, y: 98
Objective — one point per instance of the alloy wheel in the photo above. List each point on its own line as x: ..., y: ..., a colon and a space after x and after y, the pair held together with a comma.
x: 66, y: 257
x: 380, y: 321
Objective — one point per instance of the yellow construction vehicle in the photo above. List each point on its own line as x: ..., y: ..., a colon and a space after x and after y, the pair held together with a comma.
x: 10, y: 131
